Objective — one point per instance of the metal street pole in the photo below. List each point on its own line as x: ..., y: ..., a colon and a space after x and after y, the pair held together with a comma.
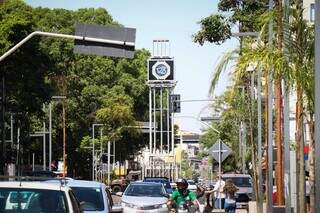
x: 50, y: 136
x: 108, y: 163
x: 93, y: 151
x: 286, y: 114
x: 219, y: 173
x: 101, y: 151
x: 161, y: 126
x: 154, y: 121
x: 93, y: 160
x: 260, y: 204
x: 64, y: 138
x: 270, y: 120
x: 57, y: 35
x: 44, y: 146
x: 317, y: 106
x: 150, y: 120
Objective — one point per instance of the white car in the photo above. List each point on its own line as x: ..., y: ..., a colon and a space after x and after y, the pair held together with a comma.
x: 93, y: 196
x: 192, y: 185
x: 35, y: 196
x: 145, y: 197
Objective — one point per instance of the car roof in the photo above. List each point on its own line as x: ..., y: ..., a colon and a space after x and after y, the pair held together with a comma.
x: 32, y: 185
x: 78, y: 183
x: 146, y: 183
x: 156, y: 178
x: 235, y: 175
x: 84, y: 183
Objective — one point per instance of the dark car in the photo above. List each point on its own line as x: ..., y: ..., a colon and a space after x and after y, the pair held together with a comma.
x: 164, y: 180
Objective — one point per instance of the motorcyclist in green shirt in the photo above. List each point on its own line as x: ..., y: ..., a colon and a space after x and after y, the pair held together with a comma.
x: 182, y: 195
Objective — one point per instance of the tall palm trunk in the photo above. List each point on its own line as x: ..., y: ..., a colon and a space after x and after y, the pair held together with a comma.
x: 300, y: 151
x: 299, y: 119
x: 279, y: 140
x: 312, y: 164
x: 279, y: 113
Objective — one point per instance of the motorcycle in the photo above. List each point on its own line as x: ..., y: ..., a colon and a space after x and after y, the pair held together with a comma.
x: 187, y: 207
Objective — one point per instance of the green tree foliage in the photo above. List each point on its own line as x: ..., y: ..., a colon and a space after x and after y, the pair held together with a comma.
x: 232, y: 106
x: 98, y: 89
x: 242, y: 14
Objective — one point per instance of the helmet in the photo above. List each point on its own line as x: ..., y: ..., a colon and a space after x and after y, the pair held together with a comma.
x: 183, y: 182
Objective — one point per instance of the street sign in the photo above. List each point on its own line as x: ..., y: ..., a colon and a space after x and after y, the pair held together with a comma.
x: 160, y: 69
x: 124, y: 37
x: 224, y: 149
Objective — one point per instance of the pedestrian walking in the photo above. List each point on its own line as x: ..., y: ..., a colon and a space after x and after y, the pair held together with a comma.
x: 308, y: 189
x: 230, y: 201
x: 219, y: 194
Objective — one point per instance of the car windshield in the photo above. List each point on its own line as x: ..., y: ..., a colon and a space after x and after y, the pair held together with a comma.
x: 191, y: 182
x: 240, y: 181
x: 91, y: 196
x: 147, y: 190
x: 165, y: 182
x: 32, y: 200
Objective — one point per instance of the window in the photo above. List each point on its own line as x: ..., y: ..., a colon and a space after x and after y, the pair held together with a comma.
x: 91, y: 196
x: 312, y: 12
x: 32, y: 200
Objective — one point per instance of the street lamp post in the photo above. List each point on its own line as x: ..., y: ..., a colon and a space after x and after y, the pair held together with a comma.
x: 62, y: 98
x: 93, y: 151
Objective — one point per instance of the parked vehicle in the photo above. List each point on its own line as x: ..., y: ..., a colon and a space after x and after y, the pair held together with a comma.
x: 145, y: 197
x: 35, y: 196
x: 192, y: 185
x: 164, y: 180
x: 244, y: 184
x: 119, y: 185
x: 48, y: 174
x: 94, y: 196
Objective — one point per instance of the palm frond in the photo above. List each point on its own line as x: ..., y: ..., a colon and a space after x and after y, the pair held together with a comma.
x: 221, y: 67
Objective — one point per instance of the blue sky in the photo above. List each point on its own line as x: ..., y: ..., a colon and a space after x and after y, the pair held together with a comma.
x: 175, y: 20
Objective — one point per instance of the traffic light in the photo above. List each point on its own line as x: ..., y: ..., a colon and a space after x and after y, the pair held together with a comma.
x: 104, y: 158
x: 175, y: 106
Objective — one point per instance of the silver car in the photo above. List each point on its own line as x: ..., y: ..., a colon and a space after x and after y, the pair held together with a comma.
x: 144, y: 197
x: 93, y: 196
x: 35, y: 196
x: 244, y: 184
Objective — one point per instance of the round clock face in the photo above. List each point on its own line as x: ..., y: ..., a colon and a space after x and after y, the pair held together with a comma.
x: 161, y: 70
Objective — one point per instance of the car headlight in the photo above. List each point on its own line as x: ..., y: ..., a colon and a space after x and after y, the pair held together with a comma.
x: 160, y: 206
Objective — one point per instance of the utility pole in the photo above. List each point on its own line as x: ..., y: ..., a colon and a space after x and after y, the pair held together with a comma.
x: 317, y: 106
x: 2, y: 124
x: 270, y: 120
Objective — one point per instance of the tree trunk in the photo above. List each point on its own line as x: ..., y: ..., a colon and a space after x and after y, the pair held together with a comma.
x: 300, y: 152
x: 312, y: 164
x: 279, y: 113
x: 279, y: 139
